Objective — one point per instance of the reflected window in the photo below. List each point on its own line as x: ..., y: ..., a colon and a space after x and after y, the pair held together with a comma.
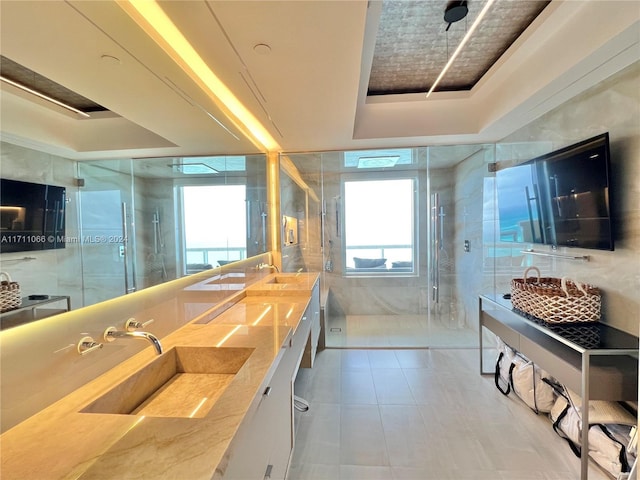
x: 379, y: 225
x: 519, y: 205
x: 215, y: 225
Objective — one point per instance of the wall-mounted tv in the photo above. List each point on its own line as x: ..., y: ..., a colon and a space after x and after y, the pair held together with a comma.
x: 561, y: 198
x: 32, y: 216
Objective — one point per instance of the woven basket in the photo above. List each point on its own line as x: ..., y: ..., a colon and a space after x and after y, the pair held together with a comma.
x: 9, y: 293
x: 555, y: 300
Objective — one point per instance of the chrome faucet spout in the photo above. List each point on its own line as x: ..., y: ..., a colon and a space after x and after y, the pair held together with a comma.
x: 260, y: 266
x: 111, y: 334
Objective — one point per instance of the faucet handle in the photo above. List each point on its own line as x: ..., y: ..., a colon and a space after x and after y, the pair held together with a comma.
x: 132, y: 324
x: 108, y: 334
x: 88, y: 345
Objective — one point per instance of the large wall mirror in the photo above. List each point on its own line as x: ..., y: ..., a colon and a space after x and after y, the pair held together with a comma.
x: 168, y: 217
x: 134, y: 223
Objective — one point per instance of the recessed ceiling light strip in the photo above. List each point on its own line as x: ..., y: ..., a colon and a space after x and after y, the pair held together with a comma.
x: 153, y: 19
x: 44, y: 97
x: 461, y: 45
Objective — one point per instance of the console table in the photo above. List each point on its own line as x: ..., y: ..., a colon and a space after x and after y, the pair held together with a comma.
x: 601, y: 364
x: 30, y: 310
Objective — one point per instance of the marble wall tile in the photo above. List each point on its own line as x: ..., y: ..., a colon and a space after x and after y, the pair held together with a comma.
x: 612, y: 106
x: 51, y: 272
x: 469, y: 214
x: 156, y: 251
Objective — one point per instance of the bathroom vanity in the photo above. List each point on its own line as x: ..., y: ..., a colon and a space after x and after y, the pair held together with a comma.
x: 217, y: 403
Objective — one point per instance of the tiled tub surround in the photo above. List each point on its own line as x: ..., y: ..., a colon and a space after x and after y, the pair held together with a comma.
x: 63, y: 442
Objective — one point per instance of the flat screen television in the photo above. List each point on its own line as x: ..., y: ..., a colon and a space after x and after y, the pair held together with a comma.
x: 561, y: 198
x: 32, y: 216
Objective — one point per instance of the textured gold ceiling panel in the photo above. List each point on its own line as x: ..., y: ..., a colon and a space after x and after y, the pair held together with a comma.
x: 413, y: 46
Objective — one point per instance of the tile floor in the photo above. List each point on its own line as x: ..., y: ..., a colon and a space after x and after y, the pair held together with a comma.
x: 419, y: 414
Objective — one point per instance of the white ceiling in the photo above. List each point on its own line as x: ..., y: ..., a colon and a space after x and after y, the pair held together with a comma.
x: 309, y: 91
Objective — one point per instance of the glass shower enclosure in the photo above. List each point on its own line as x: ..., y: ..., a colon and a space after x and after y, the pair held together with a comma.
x: 430, y: 303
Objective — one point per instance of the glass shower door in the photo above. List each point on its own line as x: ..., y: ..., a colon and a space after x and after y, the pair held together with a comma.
x: 455, y: 243
x: 107, y: 230
x: 446, y: 317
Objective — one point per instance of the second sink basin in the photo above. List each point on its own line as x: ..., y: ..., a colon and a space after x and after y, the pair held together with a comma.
x: 230, y: 278
x: 285, y: 279
x: 182, y: 382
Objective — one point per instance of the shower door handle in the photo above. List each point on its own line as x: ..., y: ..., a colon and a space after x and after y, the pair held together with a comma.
x: 263, y: 216
x: 435, y: 247
x: 248, y: 205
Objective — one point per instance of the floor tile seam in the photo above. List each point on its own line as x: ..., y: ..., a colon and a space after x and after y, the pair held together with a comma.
x: 315, y: 462
x: 386, y: 448
x: 385, y: 367
x: 355, y: 369
x: 413, y: 396
x: 384, y: 436
x: 420, y: 415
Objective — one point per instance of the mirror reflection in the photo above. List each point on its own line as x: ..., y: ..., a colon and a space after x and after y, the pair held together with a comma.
x: 164, y: 218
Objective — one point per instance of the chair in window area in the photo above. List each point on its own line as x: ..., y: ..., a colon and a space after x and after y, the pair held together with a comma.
x: 370, y: 262
x: 197, y: 267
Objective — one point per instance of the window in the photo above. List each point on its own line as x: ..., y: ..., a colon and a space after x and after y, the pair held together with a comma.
x: 379, y: 225
x: 215, y: 225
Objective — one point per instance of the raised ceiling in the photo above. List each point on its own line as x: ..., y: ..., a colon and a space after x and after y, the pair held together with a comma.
x: 311, y: 89
x: 414, y: 43
x: 28, y: 78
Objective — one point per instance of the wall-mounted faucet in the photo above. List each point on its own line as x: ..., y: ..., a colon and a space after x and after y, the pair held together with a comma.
x: 260, y: 266
x: 111, y: 333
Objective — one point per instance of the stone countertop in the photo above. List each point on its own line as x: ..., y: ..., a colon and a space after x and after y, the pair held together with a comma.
x: 61, y: 442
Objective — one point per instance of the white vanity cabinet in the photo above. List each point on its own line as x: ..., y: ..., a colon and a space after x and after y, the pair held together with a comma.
x: 250, y: 450
x: 313, y: 311
x: 263, y: 446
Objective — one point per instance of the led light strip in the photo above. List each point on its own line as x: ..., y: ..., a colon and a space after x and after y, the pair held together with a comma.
x: 462, y: 43
x: 44, y: 97
x: 153, y: 19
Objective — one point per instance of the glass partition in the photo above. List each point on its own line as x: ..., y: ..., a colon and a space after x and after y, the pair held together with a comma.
x: 157, y: 219
x: 428, y: 235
